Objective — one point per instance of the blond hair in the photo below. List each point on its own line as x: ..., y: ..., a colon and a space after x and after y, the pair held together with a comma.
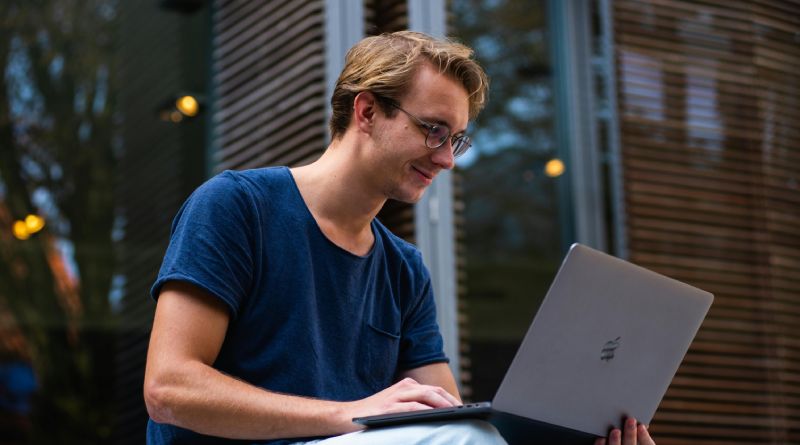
x: 386, y: 65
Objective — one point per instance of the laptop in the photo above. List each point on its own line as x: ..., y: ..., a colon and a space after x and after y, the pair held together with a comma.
x: 604, y: 345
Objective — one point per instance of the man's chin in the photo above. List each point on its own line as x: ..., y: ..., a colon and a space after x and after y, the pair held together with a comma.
x: 409, y: 198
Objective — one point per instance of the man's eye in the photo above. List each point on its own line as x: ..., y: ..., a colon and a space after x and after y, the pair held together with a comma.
x: 439, y: 132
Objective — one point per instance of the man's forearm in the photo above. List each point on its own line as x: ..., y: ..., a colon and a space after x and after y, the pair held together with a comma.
x: 204, y: 400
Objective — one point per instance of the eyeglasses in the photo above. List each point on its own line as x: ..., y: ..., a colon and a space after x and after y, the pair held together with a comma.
x: 437, y: 134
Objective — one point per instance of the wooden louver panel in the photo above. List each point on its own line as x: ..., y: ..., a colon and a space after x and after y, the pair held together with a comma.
x: 269, y: 72
x: 709, y: 111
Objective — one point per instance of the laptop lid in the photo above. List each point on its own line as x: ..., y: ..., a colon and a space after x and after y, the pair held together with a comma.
x: 604, y: 344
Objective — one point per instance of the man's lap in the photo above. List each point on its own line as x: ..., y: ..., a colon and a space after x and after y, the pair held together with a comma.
x: 462, y: 432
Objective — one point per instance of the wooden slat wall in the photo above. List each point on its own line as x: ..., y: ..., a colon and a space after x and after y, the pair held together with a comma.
x: 385, y: 16
x: 709, y: 108
x: 269, y: 72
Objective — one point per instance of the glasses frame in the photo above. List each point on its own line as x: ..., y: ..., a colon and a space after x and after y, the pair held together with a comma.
x: 460, y: 144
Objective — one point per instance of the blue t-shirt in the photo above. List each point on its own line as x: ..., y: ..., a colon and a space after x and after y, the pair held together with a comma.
x: 307, y: 317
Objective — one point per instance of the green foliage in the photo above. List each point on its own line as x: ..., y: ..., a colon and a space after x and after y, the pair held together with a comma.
x: 57, y: 158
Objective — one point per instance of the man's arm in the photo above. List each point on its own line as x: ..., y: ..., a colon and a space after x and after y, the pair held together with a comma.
x: 182, y: 388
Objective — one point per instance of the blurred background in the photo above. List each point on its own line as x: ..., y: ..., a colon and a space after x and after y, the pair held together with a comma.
x: 665, y: 132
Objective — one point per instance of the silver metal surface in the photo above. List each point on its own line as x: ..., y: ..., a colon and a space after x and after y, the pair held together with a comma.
x: 605, y: 344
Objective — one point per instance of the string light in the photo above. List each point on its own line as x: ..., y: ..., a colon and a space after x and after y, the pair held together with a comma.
x: 34, y: 223
x: 23, y: 229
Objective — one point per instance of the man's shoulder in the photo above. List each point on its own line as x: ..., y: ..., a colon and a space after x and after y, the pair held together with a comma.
x: 240, y: 193
x: 397, y: 246
x: 260, y: 176
x: 257, y: 183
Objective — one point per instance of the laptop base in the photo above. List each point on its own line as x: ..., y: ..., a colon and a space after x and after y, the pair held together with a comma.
x: 518, y: 430
x: 469, y: 411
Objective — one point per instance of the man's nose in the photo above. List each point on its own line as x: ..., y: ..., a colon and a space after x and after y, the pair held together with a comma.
x: 443, y: 156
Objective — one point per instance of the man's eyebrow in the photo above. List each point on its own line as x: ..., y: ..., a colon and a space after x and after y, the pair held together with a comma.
x: 437, y: 121
x: 440, y: 121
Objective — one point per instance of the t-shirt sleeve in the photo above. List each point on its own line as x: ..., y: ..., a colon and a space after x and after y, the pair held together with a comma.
x: 421, y: 341
x: 212, y: 242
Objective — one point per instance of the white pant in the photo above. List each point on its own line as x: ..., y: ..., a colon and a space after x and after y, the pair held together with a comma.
x: 461, y: 432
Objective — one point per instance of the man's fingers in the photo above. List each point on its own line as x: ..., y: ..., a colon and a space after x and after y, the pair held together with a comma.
x: 644, y: 436
x: 450, y: 398
x: 409, y: 390
x: 429, y: 395
x: 629, y: 434
x: 615, y: 437
x: 406, y: 406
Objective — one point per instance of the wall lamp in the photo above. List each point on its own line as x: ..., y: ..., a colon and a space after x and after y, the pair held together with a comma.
x: 178, y: 108
x: 554, y: 168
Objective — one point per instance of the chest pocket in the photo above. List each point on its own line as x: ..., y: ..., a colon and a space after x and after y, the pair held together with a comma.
x: 380, y: 350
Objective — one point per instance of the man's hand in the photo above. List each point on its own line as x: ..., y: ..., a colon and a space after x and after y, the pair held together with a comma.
x: 405, y: 395
x: 633, y: 435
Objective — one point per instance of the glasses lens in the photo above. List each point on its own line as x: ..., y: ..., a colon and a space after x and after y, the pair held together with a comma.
x: 437, y: 135
x: 460, y: 145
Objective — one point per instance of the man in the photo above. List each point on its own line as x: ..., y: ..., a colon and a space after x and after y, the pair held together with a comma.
x: 284, y: 309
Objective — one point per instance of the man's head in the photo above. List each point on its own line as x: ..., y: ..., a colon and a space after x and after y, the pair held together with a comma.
x: 386, y: 64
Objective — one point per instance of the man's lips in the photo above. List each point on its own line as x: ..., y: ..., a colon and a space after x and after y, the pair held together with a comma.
x: 427, y: 176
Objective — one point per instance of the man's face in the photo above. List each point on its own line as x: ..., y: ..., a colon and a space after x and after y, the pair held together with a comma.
x: 404, y: 164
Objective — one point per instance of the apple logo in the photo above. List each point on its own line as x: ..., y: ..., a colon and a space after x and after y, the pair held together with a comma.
x: 608, y: 349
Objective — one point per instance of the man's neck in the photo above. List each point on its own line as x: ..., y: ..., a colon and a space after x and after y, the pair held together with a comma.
x: 340, y: 198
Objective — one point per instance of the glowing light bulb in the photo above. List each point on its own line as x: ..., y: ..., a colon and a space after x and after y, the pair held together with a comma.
x: 554, y: 168
x: 187, y: 105
x: 20, y: 230
x: 34, y: 223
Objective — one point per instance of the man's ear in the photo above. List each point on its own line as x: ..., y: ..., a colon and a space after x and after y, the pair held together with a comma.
x: 365, y: 107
